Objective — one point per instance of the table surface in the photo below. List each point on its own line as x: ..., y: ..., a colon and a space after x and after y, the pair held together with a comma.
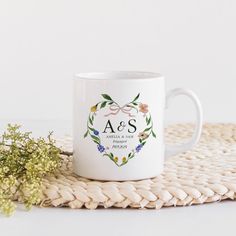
x: 208, y: 219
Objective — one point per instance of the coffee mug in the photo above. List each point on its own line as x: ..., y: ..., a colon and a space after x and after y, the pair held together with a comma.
x: 118, y: 125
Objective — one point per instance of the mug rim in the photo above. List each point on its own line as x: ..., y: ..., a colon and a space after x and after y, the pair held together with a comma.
x: 119, y: 75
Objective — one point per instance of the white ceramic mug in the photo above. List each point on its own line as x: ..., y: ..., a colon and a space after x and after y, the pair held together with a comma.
x: 118, y: 125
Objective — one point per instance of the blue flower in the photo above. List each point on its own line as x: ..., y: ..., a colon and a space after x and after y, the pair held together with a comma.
x: 139, y: 147
x: 101, y: 148
x: 96, y: 132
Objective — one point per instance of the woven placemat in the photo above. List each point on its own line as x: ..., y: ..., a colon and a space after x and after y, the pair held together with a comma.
x: 205, y: 174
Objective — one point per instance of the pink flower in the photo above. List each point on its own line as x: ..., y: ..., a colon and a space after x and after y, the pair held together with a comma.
x: 143, y: 108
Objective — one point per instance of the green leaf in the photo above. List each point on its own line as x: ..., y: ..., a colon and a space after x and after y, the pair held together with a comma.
x: 92, y: 129
x: 136, y: 98
x: 147, y: 129
x: 153, y: 134
x: 95, y: 139
x: 92, y: 118
x: 149, y: 120
x: 103, y: 104
x: 129, y: 154
x: 107, y: 97
x: 86, y: 134
x: 134, y: 103
x: 96, y: 142
x: 90, y: 121
x: 110, y: 155
x: 109, y: 103
x: 133, y: 107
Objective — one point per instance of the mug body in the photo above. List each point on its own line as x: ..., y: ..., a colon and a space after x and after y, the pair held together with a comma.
x: 118, y: 125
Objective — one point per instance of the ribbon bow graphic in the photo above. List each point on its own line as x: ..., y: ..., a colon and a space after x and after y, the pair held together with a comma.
x: 115, y: 109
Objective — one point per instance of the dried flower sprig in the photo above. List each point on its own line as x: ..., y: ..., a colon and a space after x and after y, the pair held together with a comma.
x: 24, y: 161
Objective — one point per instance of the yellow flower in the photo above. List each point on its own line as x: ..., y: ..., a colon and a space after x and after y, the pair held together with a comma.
x: 123, y: 159
x: 93, y: 108
x: 115, y: 159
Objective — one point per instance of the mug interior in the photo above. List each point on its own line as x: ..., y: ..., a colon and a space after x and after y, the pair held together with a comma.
x: 127, y: 75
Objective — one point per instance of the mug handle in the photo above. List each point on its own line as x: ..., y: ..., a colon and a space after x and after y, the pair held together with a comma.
x: 175, y: 149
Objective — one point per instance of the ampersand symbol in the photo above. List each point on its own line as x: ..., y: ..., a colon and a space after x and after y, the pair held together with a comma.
x: 121, y: 126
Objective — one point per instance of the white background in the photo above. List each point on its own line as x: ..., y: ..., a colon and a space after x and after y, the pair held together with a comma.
x: 43, y: 43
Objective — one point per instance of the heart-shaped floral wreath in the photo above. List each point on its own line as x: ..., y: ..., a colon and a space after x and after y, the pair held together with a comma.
x: 115, y: 108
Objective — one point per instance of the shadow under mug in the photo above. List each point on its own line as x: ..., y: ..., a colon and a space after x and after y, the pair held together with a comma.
x: 118, y: 121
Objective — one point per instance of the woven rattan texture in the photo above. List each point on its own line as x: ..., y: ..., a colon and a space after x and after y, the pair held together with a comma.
x: 205, y: 174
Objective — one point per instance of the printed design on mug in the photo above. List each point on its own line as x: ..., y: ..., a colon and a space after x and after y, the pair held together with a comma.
x: 111, y: 109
